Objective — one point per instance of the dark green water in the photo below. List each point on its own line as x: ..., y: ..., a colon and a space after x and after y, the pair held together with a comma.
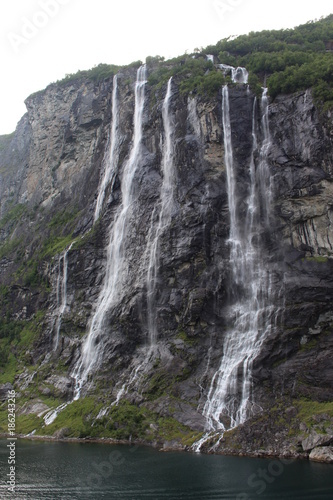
x: 77, y: 471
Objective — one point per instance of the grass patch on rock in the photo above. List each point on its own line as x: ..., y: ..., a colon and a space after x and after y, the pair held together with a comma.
x: 320, y: 259
x: 16, y: 337
x: 124, y: 422
x: 169, y: 430
x: 308, y: 409
x: 77, y: 418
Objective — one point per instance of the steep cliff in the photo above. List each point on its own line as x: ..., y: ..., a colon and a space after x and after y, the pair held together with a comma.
x: 156, y: 271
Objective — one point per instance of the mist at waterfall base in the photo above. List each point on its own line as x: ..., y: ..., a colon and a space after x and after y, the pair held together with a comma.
x: 54, y: 471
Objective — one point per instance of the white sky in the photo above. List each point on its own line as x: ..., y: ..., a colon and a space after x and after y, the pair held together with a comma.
x: 42, y: 40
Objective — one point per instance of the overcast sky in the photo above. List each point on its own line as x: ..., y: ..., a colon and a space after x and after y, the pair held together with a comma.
x: 42, y: 40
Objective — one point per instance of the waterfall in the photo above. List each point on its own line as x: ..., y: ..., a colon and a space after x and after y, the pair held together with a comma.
x: 51, y: 415
x: 166, y: 208
x: 61, y: 292
x: 210, y: 58
x: 238, y: 75
x: 225, y: 68
x: 229, y: 401
x: 193, y: 117
x: 265, y: 180
x: 111, y: 159
x: 116, y: 269
x: 61, y: 308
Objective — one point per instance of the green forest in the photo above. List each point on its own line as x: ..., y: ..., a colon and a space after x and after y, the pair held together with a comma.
x: 286, y: 61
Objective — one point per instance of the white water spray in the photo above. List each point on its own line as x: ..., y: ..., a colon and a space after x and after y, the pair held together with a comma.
x: 111, y: 158
x: 61, y: 308
x: 61, y: 292
x: 238, y: 75
x: 51, y: 415
x: 229, y: 401
x: 166, y: 208
x: 265, y: 179
x: 193, y: 117
x: 116, y: 269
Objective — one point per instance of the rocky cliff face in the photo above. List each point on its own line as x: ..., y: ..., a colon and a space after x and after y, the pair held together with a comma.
x: 50, y: 173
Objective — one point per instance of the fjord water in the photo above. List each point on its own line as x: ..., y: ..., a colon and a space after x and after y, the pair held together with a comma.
x: 54, y: 471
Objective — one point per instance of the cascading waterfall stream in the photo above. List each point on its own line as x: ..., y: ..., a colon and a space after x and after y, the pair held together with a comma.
x: 265, y: 180
x: 166, y: 207
x: 61, y: 293
x: 238, y: 75
x: 193, y: 118
x: 51, y: 415
x: 229, y: 401
x: 116, y: 269
x: 111, y: 160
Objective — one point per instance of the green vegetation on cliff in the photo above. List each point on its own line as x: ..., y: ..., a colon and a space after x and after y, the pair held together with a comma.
x: 290, y: 60
x: 33, y: 239
x: 125, y: 422
x: 16, y: 338
x: 286, y: 60
x: 96, y: 74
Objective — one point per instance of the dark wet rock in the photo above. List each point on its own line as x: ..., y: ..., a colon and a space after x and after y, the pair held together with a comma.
x: 54, y: 162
